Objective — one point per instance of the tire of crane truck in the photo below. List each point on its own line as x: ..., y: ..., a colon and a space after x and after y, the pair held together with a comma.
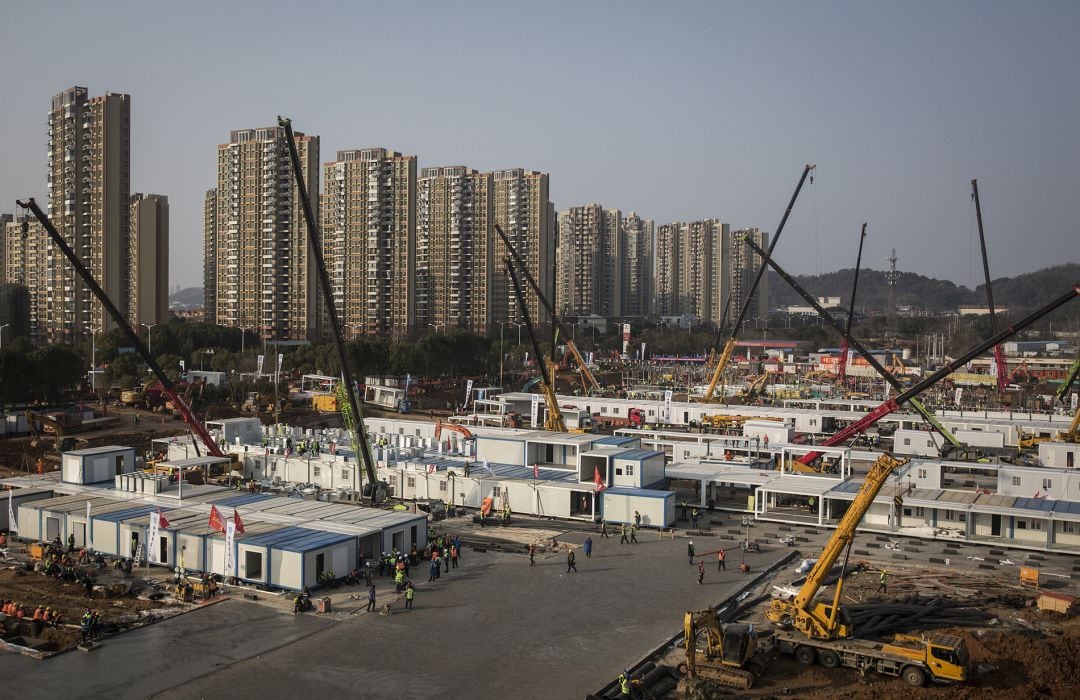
x: 914, y: 676
x: 828, y: 658
x: 805, y: 655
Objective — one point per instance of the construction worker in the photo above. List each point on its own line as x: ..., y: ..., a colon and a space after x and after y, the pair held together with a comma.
x: 720, y: 555
x: 571, y: 561
x: 701, y: 572
x: 883, y: 582
x: 454, y: 554
x: 633, y: 532
x: 623, y: 539
x: 694, y: 517
x: 587, y: 547
x: 410, y: 593
x: 603, y: 527
x: 690, y: 552
x: 399, y: 579
x: 637, y: 518
x: 371, y: 597
x: 85, y: 624
x: 624, y: 683
x: 71, y: 543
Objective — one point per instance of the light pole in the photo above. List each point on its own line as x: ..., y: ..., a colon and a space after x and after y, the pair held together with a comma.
x: 93, y: 359
x: 437, y: 326
x: 149, y: 326
x: 242, y: 336
x: 519, y: 327
x: 2, y: 333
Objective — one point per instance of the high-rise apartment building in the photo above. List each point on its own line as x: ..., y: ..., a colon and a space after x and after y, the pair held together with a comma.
x: 454, y: 255
x: 27, y: 265
x: 689, y: 270
x: 589, y: 262
x: 89, y: 158
x: 148, y: 260
x: 210, y: 257
x: 637, y: 265
x: 5, y: 219
x: 524, y: 211
x: 741, y: 265
x: 264, y: 278
x: 369, y: 238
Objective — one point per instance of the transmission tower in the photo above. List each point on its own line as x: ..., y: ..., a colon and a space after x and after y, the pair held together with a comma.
x: 891, y: 277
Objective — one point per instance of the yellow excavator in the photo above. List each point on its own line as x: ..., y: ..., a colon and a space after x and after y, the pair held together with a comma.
x: 64, y: 442
x: 717, y: 653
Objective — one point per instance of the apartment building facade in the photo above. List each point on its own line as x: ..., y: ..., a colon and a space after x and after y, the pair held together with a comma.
x: 89, y: 183
x: 369, y: 235
x: 264, y: 278
x: 524, y: 211
x: 637, y: 265
x: 210, y: 257
x: 455, y: 214
x: 740, y: 265
x: 148, y: 260
x: 26, y: 257
x: 589, y: 262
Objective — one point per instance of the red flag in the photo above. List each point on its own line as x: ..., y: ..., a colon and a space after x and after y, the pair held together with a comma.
x: 597, y: 480
x: 163, y: 523
x: 236, y: 520
x: 216, y: 521
x: 536, y: 471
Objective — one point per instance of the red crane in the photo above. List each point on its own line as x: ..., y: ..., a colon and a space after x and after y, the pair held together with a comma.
x: 999, y: 353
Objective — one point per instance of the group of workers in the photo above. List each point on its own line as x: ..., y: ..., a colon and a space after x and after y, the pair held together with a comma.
x: 43, y: 613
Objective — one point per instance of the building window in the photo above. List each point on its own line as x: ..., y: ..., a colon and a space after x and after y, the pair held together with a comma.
x: 496, y: 491
x: 442, y: 486
x: 315, y: 471
x: 629, y: 470
x: 1021, y: 524
x: 922, y: 473
x: 345, y: 474
x: 919, y: 513
x: 1069, y: 527
x: 1016, y: 481
x: 392, y: 480
x: 907, y: 441
x: 603, y: 409
x: 618, y: 471
x: 1036, y: 524
x: 411, y: 482
x: 1048, y: 483
x: 948, y: 515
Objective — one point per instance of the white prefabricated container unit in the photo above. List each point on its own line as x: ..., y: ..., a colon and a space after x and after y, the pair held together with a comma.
x: 19, y: 497
x: 294, y: 557
x: 657, y: 508
x: 96, y: 465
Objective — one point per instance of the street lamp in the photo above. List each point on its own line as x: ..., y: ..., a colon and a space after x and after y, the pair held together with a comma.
x: 519, y: 327
x: 242, y: 336
x: 437, y: 326
x: 2, y: 333
x: 149, y: 326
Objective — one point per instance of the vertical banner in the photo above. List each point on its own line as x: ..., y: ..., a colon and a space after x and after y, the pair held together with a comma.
x: 152, y: 537
x: 589, y: 360
x: 277, y: 374
x: 535, y: 409
x: 230, y: 538
x: 259, y: 366
x: 958, y: 395
x: 89, y: 530
x: 1075, y: 399
x: 625, y: 338
x: 643, y: 352
x: 183, y: 367
x: 13, y: 526
x: 408, y: 380
x: 468, y: 392
x: 667, y: 406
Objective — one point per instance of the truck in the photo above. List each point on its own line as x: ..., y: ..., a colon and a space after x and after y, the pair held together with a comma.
x: 635, y: 418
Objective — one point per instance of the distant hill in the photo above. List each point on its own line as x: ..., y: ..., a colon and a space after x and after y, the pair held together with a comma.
x: 186, y: 299
x: 1023, y: 291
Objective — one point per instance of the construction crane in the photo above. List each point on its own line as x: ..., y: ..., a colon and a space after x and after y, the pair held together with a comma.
x: 121, y: 321
x: 810, y: 630
x: 906, y: 396
x: 374, y: 489
x: 729, y: 345
x: 567, y: 336
x: 841, y: 368
x: 554, y: 420
x: 999, y: 352
x: 859, y: 348
x: 1074, y: 372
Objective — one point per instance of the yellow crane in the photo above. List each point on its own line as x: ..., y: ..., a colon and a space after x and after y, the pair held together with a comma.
x: 554, y: 419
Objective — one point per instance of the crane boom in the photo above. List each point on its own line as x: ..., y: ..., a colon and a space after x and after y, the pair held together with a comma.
x: 555, y: 419
x: 359, y: 433
x: 821, y: 620
x: 999, y: 352
x: 567, y: 336
x: 729, y: 345
x: 1064, y: 389
x: 841, y: 371
x: 166, y: 384
x: 859, y: 348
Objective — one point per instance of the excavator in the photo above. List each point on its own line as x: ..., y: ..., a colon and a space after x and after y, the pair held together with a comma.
x: 715, y: 652
x: 583, y: 368
x: 64, y: 442
x: 729, y: 345
x: 452, y: 427
x: 817, y: 632
x: 553, y: 421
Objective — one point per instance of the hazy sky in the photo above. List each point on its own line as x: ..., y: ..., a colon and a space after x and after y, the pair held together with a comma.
x: 676, y: 110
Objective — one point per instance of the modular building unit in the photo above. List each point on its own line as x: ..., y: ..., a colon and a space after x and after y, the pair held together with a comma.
x: 116, y: 533
x: 238, y: 431
x: 97, y: 465
x: 295, y: 557
x: 657, y: 508
x: 915, y: 442
x: 18, y: 498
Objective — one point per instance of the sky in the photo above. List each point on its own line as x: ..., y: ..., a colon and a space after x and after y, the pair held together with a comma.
x: 675, y: 110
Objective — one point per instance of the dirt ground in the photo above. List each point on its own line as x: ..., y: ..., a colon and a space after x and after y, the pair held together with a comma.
x: 118, y: 610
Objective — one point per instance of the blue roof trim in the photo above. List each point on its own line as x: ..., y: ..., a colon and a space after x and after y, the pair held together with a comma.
x: 296, y: 539
x: 617, y: 440
x: 118, y: 516
x: 640, y: 493
x: 234, y: 501
x: 1040, y: 504
x: 639, y: 455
